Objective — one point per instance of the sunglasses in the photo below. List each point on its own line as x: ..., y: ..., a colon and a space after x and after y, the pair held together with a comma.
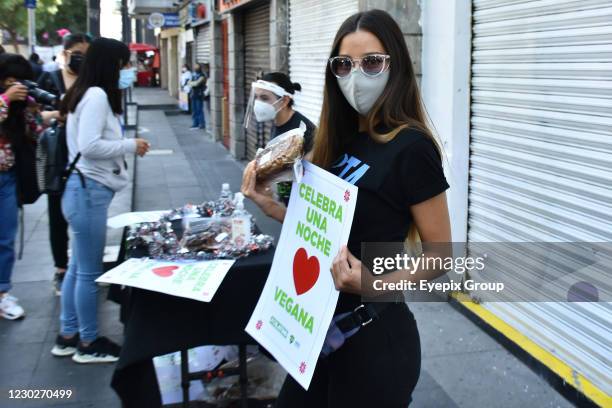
x: 371, y: 65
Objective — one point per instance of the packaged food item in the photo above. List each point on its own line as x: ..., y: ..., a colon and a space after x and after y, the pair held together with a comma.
x: 220, y: 229
x: 206, y: 234
x: 275, y: 161
x: 224, y: 206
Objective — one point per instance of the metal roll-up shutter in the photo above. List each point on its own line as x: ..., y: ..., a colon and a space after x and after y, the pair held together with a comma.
x: 256, y: 62
x: 312, y: 28
x: 203, y: 44
x: 541, y: 154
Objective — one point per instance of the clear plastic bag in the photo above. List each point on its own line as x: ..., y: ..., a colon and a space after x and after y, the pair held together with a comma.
x: 206, y: 234
x: 274, y: 163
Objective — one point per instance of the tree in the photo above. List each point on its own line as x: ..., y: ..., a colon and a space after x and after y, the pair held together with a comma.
x: 50, y: 16
x: 71, y: 14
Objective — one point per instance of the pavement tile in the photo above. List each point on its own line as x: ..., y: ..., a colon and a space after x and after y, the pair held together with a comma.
x: 491, y: 378
x: 444, y: 331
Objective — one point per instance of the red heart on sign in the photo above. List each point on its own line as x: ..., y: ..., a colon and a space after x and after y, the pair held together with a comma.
x: 165, y: 271
x: 305, y: 271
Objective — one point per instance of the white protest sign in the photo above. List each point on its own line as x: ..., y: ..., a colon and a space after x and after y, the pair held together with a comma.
x: 194, y: 280
x: 298, y: 300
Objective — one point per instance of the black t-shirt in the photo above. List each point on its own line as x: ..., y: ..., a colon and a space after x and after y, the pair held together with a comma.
x: 283, y: 189
x: 391, y: 177
x: 294, y: 123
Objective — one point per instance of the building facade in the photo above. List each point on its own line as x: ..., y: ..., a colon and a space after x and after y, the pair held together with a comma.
x: 519, y: 94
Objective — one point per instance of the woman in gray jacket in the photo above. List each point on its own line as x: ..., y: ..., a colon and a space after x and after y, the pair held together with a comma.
x: 96, y: 144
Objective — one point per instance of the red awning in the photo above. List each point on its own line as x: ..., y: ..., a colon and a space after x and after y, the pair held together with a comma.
x: 138, y: 47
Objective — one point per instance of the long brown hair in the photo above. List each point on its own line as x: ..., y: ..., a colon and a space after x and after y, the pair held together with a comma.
x: 398, y: 107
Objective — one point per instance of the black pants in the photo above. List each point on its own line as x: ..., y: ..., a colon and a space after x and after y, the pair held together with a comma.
x: 58, y: 231
x: 377, y: 367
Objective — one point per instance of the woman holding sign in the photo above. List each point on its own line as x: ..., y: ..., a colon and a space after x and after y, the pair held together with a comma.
x: 372, y: 133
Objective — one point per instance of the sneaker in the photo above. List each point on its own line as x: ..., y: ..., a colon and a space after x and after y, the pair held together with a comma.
x: 101, y: 350
x: 65, y: 347
x: 9, y: 308
x: 194, y: 128
x: 58, y: 280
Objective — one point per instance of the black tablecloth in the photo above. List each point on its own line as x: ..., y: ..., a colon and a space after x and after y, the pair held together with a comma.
x: 158, y: 324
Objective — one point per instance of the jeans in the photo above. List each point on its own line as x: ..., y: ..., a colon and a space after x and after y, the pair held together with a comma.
x: 86, y: 210
x: 58, y: 231
x: 197, y: 114
x: 8, y: 226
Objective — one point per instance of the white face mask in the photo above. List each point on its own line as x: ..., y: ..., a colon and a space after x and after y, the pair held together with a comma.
x: 361, y: 91
x: 264, y: 111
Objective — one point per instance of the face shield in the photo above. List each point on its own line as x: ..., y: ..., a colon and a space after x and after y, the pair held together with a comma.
x: 264, y: 101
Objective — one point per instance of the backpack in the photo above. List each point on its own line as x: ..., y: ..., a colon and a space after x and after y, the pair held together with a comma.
x: 26, y: 174
x: 52, y: 160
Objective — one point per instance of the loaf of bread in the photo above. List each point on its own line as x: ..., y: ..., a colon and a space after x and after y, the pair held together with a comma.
x: 279, y: 155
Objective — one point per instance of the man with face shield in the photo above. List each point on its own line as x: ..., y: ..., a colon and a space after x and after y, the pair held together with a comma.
x: 272, y: 100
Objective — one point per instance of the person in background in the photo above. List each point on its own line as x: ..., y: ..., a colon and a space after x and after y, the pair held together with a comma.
x: 206, y: 102
x: 56, y: 82
x: 51, y: 65
x: 96, y: 144
x: 36, y: 66
x: 198, y: 85
x: 185, y: 79
x: 273, y: 101
x: 20, y: 124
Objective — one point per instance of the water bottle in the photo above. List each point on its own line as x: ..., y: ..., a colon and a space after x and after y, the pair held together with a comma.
x: 241, y: 223
x: 225, y: 203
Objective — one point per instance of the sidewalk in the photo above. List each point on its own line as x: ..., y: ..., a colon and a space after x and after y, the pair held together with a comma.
x: 462, y: 366
x: 25, y: 345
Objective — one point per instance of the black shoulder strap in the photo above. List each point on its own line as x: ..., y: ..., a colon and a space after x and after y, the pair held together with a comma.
x: 58, y: 81
x: 73, y: 164
x: 72, y: 167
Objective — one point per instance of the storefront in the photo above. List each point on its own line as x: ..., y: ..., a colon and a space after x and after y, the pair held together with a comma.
x: 170, y: 55
x: 201, y: 14
x: 256, y: 26
x: 312, y: 27
x: 248, y: 46
x: 540, y: 161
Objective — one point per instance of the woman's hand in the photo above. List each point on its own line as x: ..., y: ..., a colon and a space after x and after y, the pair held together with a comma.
x: 250, y: 188
x: 346, y: 271
x: 142, y: 146
x: 16, y: 92
x: 261, y: 194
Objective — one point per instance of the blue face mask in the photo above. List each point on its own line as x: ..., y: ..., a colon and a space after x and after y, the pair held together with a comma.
x: 127, y: 76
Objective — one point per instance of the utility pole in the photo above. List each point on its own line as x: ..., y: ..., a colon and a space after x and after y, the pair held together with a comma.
x: 126, y: 27
x: 93, y: 17
x: 31, y: 6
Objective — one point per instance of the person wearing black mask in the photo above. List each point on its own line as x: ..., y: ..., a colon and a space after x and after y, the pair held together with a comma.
x: 57, y: 82
x: 75, y: 47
